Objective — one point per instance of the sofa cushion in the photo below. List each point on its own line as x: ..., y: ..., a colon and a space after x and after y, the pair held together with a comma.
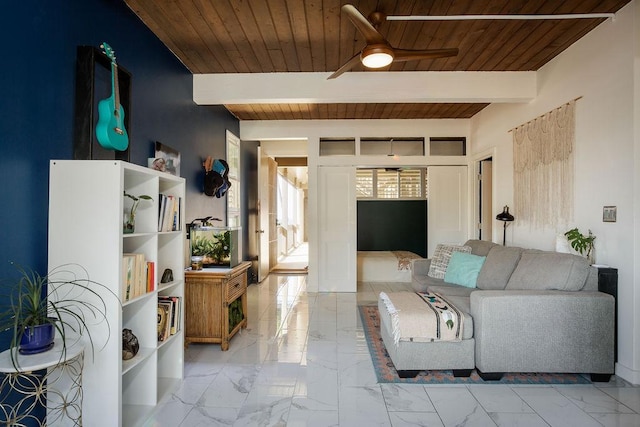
x: 440, y: 259
x: 480, y: 247
x: 498, y: 267
x: 463, y: 269
x: 540, y: 270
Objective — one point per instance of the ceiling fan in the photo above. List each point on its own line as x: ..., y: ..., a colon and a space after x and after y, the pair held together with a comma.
x: 378, y: 52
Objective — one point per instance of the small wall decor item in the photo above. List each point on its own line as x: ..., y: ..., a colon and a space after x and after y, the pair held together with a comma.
x: 98, y: 78
x: 609, y: 213
x: 130, y: 344
x: 110, y: 129
x: 167, y: 159
x: 216, y: 178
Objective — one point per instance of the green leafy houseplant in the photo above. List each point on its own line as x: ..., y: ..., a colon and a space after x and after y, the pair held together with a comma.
x: 65, y: 298
x: 130, y: 221
x: 580, y: 242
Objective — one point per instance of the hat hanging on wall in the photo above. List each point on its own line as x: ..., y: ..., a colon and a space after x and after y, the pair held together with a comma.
x: 216, y: 178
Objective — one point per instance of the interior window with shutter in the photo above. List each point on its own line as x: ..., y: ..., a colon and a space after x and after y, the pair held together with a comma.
x: 364, y: 183
x: 391, y: 184
x: 387, y: 184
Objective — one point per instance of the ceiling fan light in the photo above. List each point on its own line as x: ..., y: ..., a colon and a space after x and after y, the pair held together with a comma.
x: 376, y: 56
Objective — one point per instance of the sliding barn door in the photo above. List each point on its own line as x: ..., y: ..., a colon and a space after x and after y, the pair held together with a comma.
x: 448, y: 206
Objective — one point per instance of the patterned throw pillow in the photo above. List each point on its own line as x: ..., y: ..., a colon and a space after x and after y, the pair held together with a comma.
x: 441, y: 257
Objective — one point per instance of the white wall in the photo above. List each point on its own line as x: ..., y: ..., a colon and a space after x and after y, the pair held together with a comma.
x: 603, y: 69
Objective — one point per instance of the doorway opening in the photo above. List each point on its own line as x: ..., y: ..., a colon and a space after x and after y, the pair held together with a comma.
x: 291, y: 219
x: 485, y: 199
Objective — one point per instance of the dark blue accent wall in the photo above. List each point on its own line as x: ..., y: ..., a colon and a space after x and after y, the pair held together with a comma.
x: 38, y: 42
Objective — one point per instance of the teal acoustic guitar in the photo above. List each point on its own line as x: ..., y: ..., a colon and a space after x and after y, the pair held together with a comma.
x: 110, y: 129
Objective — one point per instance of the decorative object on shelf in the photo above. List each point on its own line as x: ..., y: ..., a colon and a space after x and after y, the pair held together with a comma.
x: 609, y: 213
x: 167, y: 276
x: 196, y: 262
x: 129, y: 225
x: 167, y: 159
x: 130, y: 344
x: 54, y: 302
x: 505, y: 217
x: 582, y: 243
x: 216, y: 178
x: 110, y: 130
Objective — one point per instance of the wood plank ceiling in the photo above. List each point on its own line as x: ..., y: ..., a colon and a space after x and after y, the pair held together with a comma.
x: 266, y: 36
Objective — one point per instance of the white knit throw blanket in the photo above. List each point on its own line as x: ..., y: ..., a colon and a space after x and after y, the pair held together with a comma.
x: 422, y: 317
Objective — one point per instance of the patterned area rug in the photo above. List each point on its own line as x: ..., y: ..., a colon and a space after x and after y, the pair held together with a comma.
x: 386, y: 372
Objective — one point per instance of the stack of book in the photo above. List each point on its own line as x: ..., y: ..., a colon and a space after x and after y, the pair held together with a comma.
x: 169, y: 315
x: 170, y: 211
x: 138, y: 276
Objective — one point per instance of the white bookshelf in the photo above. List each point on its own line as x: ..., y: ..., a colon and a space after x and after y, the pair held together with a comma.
x: 86, y: 207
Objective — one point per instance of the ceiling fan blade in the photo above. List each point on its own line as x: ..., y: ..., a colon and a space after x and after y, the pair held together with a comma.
x: 355, y: 60
x: 403, y: 55
x: 371, y: 35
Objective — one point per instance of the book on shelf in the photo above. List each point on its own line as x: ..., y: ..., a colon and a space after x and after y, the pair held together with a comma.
x: 170, y: 211
x: 134, y: 275
x: 176, y: 308
x: 163, y: 321
x: 151, y: 276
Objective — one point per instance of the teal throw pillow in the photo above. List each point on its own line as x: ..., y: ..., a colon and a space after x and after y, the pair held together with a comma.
x: 463, y: 269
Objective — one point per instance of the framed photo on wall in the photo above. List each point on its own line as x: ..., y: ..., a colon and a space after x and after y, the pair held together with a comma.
x: 609, y: 214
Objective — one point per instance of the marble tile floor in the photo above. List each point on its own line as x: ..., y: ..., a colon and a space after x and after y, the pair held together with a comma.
x: 303, y: 361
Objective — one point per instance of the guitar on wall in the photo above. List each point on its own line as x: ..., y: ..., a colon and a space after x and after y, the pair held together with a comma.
x: 110, y: 129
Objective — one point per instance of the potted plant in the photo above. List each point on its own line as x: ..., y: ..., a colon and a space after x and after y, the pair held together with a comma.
x: 130, y: 219
x: 61, y: 302
x: 581, y: 243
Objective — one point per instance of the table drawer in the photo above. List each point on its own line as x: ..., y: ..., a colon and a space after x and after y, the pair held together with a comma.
x: 236, y: 287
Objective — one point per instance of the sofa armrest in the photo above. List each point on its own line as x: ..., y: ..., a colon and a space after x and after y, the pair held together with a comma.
x: 420, y: 266
x: 543, y: 331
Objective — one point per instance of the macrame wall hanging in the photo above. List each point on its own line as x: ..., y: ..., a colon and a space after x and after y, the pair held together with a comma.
x: 543, y: 168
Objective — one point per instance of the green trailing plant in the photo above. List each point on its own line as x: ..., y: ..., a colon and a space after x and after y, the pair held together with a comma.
x: 65, y: 298
x: 136, y: 202
x: 580, y: 242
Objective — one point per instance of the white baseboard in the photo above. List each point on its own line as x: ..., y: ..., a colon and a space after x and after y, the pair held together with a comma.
x: 627, y: 374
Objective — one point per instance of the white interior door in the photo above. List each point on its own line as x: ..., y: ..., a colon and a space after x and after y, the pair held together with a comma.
x: 337, y: 229
x: 448, y: 206
x: 262, y: 230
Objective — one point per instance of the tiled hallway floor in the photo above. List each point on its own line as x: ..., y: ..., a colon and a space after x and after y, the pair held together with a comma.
x: 303, y: 361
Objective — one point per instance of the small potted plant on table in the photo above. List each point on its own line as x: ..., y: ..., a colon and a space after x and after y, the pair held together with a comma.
x: 37, y: 307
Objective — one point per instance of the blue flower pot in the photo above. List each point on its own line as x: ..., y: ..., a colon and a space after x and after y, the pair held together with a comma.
x: 37, y: 339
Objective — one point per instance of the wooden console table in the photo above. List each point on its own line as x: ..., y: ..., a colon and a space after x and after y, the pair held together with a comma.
x: 210, y: 295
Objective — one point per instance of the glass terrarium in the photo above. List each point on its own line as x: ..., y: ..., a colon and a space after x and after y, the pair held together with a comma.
x: 218, y: 246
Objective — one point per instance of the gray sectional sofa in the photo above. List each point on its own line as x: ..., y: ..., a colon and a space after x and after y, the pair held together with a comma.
x: 531, y: 311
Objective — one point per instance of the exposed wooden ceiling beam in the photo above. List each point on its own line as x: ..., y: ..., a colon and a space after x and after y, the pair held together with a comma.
x: 381, y: 87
